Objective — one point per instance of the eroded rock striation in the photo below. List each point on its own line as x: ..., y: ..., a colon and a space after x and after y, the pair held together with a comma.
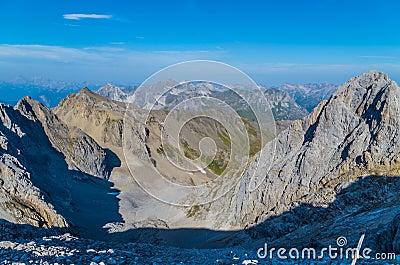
x: 353, y: 134
x: 39, y: 159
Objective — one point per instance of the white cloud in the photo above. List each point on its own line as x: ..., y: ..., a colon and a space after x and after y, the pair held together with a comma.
x: 43, y: 52
x: 102, y: 54
x: 92, y: 63
x: 81, y: 16
x: 123, y: 63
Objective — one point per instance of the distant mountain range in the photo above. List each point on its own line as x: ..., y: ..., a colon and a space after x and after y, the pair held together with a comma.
x: 309, y: 95
x: 288, y: 102
x: 283, y: 106
x: 50, y: 93
x: 46, y: 91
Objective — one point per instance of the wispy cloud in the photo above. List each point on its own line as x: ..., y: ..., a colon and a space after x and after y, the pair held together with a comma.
x: 42, y: 52
x: 94, y: 53
x: 124, y: 63
x: 92, y: 63
x: 82, y: 16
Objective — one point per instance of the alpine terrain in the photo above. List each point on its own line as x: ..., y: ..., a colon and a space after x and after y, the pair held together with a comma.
x: 67, y: 194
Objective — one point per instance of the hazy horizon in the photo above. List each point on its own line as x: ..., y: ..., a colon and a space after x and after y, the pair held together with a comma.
x: 272, y: 42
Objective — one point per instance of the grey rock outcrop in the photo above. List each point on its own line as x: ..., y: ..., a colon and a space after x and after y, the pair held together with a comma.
x: 355, y: 133
x: 41, y: 163
x: 99, y: 117
x: 80, y: 150
x: 20, y: 200
x: 388, y: 239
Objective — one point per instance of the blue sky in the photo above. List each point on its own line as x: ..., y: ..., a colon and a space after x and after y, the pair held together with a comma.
x: 126, y: 41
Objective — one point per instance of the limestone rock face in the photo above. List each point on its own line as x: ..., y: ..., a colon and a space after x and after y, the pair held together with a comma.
x: 389, y: 238
x: 80, y: 150
x: 355, y: 133
x: 20, y: 200
x: 97, y: 116
x: 39, y: 159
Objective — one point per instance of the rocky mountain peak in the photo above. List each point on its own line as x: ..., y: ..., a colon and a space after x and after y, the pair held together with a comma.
x: 101, y: 118
x: 30, y: 108
x: 355, y: 133
x: 370, y: 100
x: 85, y: 93
x: 113, y: 92
x: 85, y: 90
x: 360, y: 121
x: 362, y: 88
x: 41, y: 155
x: 87, y: 96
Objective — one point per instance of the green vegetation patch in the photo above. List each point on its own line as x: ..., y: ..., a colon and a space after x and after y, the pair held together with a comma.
x: 193, y: 211
x: 188, y: 151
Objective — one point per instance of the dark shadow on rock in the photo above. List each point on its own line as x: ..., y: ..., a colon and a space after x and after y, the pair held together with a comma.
x: 85, y: 201
x: 112, y: 161
x: 369, y: 206
x: 359, y: 208
x: 366, y: 206
x: 23, y: 232
x: 181, y: 237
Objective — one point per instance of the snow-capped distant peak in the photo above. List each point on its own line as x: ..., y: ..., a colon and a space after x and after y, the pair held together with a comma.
x: 112, y: 92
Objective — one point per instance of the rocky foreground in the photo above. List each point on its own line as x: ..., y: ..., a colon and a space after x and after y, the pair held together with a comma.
x: 23, y: 244
x: 46, y: 247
